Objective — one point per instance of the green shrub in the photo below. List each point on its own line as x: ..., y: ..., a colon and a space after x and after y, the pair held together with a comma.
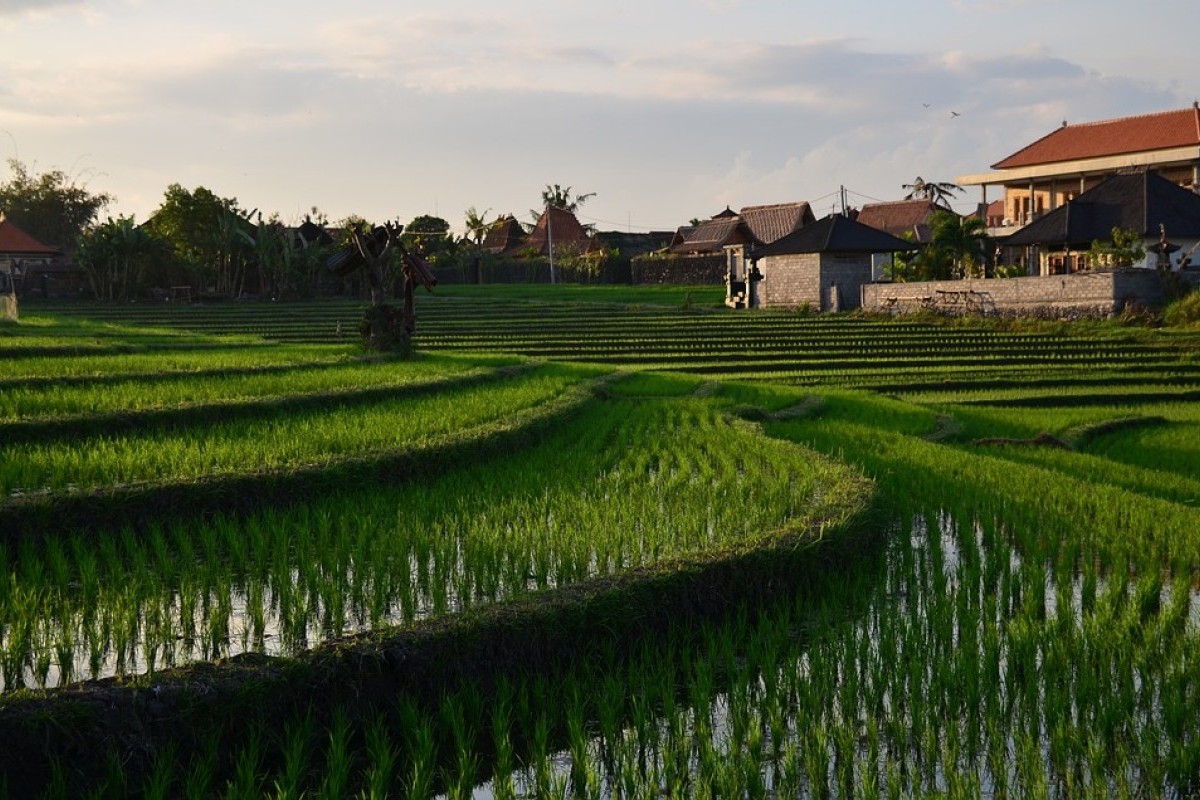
x: 1184, y: 311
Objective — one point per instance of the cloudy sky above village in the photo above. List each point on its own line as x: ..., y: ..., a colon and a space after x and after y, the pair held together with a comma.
x: 666, y: 109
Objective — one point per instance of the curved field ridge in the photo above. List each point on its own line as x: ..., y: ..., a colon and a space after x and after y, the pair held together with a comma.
x: 290, y: 439
x: 115, y: 423
x: 238, y: 491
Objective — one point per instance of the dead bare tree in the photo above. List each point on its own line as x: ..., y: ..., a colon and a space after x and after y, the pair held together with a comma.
x: 385, y: 327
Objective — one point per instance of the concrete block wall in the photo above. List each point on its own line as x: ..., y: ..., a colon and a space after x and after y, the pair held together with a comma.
x: 846, y: 274
x: 822, y: 281
x: 791, y: 280
x: 1093, y: 292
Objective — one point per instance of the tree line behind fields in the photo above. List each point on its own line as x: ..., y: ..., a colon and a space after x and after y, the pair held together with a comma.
x: 209, y: 243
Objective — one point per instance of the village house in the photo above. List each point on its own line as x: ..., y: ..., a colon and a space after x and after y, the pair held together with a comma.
x: 1165, y: 216
x: 715, y: 249
x: 33, y: 267
x: 559, y: 232
x: 1065, y: 163
x: 752, y: 225
x: 556, y: 230
x: 822, y: 265
x: 504, y: 237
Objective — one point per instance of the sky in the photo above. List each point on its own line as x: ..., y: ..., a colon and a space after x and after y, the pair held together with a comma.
x: 666, y: 110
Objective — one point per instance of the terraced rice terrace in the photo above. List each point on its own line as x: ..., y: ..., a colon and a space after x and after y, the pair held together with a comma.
x: 596, y: 542
x: 785, y: 348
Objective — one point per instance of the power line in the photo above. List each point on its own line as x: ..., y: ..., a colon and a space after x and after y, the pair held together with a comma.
x: 627, y: 224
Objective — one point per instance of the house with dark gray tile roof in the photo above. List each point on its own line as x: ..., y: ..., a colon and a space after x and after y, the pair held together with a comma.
x: 823, y: 265
x: 752, y: 225
x: 1158, y: 209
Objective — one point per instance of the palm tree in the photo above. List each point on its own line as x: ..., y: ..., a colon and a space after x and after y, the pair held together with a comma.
x: 960, y: 245
x: 477, y: 225
x: 560, y: 197
x: 939, y: 193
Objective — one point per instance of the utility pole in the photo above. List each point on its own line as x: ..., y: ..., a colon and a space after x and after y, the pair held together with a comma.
x: 550, y: 243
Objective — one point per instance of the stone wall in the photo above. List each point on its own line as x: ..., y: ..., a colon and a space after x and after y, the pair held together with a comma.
x: 1091, y: 293
x: 699, y: 270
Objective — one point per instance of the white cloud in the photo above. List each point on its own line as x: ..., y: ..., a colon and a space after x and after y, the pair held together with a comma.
x: 401, y: 113
x: 10, y: 7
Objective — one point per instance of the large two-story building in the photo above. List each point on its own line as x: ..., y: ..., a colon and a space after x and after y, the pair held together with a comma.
x: 1068, y: 161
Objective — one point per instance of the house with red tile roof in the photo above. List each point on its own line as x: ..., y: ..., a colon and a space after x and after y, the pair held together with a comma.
x: 905, y: 219
x: 22, y: 258
x: 505, y: 237
x: 16, y: 243
x: 1066, y: 162
x: 901, y: 217
x: 559, y: 229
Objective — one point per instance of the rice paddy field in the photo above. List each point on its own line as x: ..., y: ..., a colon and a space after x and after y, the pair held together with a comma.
x: 596, y: 542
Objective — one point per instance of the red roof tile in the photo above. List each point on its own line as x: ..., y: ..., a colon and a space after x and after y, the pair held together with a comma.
x: 561, y: 227
x: 899, y: 217
x: 505, y: 236
x: 1110, y: 138
x: 16, y: 242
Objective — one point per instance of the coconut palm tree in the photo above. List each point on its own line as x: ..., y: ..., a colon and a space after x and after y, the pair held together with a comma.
x: 560, y: 197
x: 960, y: 245
x: 477, y: 225
x: 939, y: 193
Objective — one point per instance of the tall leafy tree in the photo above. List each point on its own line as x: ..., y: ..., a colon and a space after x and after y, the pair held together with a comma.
x: 115, y: 255
x: 429, y: 237
x: 939, y: 193
x: 209, y: 234
x: 960, y: 247
x: 51, y: 207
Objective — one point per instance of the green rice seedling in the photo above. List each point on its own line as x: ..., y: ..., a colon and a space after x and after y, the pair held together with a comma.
x: 339, y: 759
x: 816, y: 759
x: 160, y: 783
x: 115, y: 782
x: 382, y: 757
x: 504, y: 764
x: 539, y: 757
x: 296, y: 745
x: 420, y: 749
x: 246, y: 779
